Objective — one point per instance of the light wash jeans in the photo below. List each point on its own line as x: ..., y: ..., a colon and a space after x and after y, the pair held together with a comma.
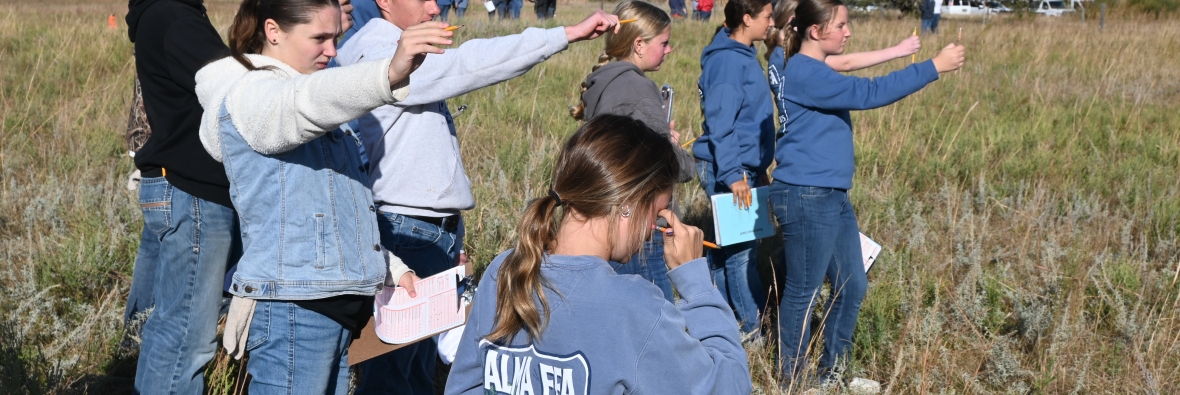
x: 294, y: 350
x: 649, y: 263
x: 820, y: 239
x: 514, y: 7
x: 195, y: 241
x: 734, y: 267
x: 427, y: 249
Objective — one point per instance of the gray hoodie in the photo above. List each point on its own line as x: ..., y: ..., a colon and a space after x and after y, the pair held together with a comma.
x: 621, y: 88
x: 607, y: 333
x: 412, y: 144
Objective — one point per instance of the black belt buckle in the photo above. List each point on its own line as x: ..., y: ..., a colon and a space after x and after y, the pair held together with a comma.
x: 449, y: 223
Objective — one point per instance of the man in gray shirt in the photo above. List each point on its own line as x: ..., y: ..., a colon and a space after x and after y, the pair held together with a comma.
x: 419, y: 183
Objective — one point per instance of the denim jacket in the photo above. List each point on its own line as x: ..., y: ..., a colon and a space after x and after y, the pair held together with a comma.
x: 308, y: 222
x: 307, y: 218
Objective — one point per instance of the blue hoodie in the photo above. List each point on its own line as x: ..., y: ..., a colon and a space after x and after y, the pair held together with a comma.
x: 607, y: 334
x: 816, y: 149
x: 738, y: 109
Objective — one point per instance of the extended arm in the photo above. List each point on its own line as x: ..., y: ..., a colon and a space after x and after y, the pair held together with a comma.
x: 859, y: 60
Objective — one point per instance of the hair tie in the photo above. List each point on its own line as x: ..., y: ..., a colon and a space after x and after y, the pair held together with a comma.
x: 553, y: 194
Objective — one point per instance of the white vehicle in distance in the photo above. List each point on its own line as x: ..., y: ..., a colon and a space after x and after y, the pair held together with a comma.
x: 994, y: 7
x: 963, y: 7
x: 1051, y: 7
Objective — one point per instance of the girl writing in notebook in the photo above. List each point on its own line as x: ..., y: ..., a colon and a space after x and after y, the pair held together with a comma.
x: 815, y: 164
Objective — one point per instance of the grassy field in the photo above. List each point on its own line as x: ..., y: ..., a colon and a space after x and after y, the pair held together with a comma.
x: 1027, y: 204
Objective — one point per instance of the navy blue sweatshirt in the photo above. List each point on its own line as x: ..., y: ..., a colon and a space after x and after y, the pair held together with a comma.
x: 739, y: 113
x: 607, y: 333
x: 816, y: 149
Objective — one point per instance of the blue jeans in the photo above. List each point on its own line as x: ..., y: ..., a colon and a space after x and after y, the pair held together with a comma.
x: 677, y: 7
x: 296, y: 350
x: 501, y: 9
x: 514, y: 7
x: 734, y: 267
x: 820, y: 239
x: 931, y: 25
x: 649, y: 264
x: 427, y: 249
x: 701, y: 15
x: 194, y: 242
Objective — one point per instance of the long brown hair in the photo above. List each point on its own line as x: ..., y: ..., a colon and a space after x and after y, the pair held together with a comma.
x: 807, y: 13
x: 610, y: 162
x: 246, y: 34
x: 783, y: 11
x: 651, y: 21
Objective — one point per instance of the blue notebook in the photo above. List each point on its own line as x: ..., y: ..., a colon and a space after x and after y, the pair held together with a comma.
x: 734, y: 225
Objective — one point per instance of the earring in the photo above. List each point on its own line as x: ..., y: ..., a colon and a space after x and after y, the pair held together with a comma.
x: 274, y: 42
x: 626, y: 212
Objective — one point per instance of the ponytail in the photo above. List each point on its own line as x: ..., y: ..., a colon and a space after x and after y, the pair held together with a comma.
x: 781, y: 33
x: 795, y: 17
x: 246, y: 35
x: 578, y: 111
x: 597, y: 173
x: 520, y: 274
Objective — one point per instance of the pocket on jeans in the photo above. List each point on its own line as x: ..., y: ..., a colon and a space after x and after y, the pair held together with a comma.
x: 817, y: 193
x: 155, y: 201
x: 259, y: 326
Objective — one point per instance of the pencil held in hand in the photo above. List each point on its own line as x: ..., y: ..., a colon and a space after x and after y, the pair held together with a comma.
x: 668, y: 232
x: 454, y: 28
x: 914, y: 56
x: 626, y: 21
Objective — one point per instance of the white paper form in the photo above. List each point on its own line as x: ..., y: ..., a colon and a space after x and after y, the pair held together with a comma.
x: 438, y: 307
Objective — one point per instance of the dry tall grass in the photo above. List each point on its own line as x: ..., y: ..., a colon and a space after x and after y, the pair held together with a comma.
x: 1027, y: 204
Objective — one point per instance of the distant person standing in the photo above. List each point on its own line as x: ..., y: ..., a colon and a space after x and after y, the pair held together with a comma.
x: 677, y: 9
x: 514, y: 7
x: 702, y: 10
x: 931, y: 13
x: 545, y: 9
x: 191, y: 229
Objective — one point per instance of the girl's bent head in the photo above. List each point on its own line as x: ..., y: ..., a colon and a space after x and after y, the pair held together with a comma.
x: 300, y: 33
x: 612, y: 169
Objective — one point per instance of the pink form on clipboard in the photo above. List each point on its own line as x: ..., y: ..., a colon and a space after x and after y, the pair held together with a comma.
x: 400, y: 319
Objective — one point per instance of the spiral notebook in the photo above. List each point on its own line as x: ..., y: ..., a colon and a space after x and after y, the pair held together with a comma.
x: 733, y: 224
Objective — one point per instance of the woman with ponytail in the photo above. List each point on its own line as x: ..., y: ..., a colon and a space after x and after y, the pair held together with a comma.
x: 618, y: 85
x: 551, y: 316
x: 311, y: 258
x: 815, y: 165
x: 782, y: 35
x: 737, y: 143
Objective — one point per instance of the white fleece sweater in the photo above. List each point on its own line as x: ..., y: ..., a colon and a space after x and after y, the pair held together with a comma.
x: 279, y: 109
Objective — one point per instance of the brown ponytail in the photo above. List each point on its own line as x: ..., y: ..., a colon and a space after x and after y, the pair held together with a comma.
x: 246, y: 35
x: 610, y: 162
x: 807, y: 13
x: 650, y: 21
x: 782, y: 34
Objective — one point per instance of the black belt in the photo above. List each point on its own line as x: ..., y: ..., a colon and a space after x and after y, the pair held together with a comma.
x: 449, y: 223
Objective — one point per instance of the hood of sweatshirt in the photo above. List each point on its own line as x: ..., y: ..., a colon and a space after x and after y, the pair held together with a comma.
x: 135, y: 9
x: 599, y: 80
x: 723, y: 45
x: 213, y: 87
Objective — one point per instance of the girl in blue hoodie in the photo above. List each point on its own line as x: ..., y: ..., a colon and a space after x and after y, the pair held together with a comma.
x: 814, y: 173
x: 737, y: 143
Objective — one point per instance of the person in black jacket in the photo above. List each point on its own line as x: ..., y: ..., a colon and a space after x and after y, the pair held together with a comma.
x: 191, y: 231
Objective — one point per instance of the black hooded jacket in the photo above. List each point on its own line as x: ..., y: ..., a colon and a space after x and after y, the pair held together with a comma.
x: 173, y: 39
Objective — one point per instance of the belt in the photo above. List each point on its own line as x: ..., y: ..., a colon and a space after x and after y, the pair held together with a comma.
x: 449, y: 223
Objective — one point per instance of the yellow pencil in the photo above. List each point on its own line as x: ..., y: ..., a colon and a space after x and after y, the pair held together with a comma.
x: 668, y: 232
x: 914, y: 56
x: 454, y: 28
x: 685, y: 145
x: 625, y: 21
